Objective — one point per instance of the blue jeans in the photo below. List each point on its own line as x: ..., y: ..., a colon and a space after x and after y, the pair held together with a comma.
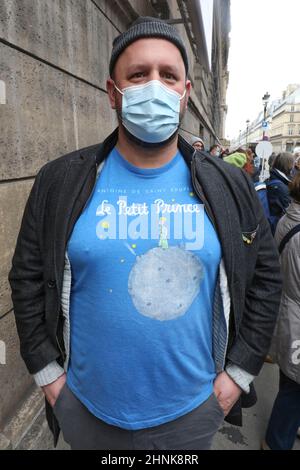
x: 285, y: 417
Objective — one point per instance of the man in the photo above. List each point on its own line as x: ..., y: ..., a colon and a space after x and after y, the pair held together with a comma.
x: 214, y: 151
x: 198, y: 143
x: 142, y: 311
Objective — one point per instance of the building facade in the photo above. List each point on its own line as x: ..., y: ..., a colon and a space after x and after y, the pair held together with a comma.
x: 283, y: 120
x: 54, y: 60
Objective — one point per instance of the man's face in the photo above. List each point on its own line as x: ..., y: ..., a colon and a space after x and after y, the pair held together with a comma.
x: 198, y: 146
x: 145, y: 60
x: 215, y: 151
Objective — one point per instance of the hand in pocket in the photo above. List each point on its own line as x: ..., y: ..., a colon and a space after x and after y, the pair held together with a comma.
x: 52, y: 391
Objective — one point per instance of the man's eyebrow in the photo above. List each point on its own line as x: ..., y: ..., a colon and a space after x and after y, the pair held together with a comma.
x: 143, y: 66
x: 137, y: 66
x: 172, y: 68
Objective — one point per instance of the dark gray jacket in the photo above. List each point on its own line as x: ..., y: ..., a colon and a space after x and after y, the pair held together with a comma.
x: 59, y: 193
x: 285, y: 349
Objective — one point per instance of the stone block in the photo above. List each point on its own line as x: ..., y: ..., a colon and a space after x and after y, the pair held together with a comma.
x: 69, y: 34
x: 15, y: 379
x: 13, y: 197
x: 48, y: 113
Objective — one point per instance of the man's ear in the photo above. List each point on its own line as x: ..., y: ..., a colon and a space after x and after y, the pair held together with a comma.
x: 111, y: 90
x: 188, y: 87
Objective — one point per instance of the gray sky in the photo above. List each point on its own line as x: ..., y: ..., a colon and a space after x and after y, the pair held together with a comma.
x: 264, y: 56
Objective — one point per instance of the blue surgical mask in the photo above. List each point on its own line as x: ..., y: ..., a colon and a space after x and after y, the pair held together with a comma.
x: 150, y: 112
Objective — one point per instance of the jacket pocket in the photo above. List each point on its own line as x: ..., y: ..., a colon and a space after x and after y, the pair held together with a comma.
x: 58, y: 399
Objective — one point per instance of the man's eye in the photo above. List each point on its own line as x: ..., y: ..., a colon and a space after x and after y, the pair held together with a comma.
x: 138, y: 75
x: 169, y: 76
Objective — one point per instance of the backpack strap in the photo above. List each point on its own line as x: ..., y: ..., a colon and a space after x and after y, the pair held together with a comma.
x: 260, y: 186
x: 287, y: 237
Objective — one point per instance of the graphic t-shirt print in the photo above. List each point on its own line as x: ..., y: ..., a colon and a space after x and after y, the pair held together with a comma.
x: 164, y: 280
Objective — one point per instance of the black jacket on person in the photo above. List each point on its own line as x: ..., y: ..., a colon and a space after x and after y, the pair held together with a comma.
x: 59, y: 193
x: 278, y: 196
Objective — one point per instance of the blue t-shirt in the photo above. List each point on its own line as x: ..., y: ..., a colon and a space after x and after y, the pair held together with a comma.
x: 144, y: 258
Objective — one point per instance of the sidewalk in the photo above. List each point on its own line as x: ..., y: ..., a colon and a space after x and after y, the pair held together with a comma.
x: 255, y: 419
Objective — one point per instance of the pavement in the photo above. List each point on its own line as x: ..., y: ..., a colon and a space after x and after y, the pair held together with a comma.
x: 229, y: 437
x: 255, y: 419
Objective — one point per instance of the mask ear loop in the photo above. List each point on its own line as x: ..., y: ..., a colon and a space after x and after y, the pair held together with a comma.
x: 181, y: 98
x: 121, y: 92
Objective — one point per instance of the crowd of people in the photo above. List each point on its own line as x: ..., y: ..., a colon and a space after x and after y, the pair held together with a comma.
x: 280, y: 197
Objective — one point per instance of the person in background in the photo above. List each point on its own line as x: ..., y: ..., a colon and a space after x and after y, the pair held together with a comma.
x: 285, y: 350
x: 296, y: 168
x: 197, y: 143
x: 244, y: 159
x: 238, y: 159
x: 250, y: 162
x: 257, y: 165
x: 271, y: 160
x: 277, y: 187
x: 225, y: 153
x: 241, y: 159
x: 260, y: 186
x: 296, y: 152
x: 214, y: 150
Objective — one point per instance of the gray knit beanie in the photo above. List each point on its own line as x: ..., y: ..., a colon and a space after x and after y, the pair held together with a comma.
x: 147, y: 27
x: 195, y: 139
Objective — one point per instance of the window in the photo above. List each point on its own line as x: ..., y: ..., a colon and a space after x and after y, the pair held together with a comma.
x: 292, y: 109
x: 290, y: 130
x: 291, y: 118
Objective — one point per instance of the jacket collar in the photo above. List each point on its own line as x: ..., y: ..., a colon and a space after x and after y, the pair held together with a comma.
x: 293, y: 211
x: 109, y: 143
x: 279, y: 175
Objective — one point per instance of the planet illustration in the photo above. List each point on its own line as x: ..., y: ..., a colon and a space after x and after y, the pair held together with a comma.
x: 163, y: 283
